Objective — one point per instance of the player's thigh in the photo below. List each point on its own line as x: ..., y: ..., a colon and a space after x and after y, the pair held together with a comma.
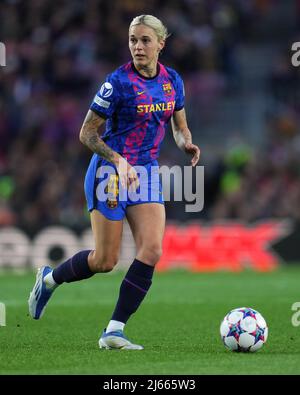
x: 147, y: 223
x: 107, y: 235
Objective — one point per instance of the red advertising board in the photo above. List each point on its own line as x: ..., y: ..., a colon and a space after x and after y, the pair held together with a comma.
x: 221, y: 247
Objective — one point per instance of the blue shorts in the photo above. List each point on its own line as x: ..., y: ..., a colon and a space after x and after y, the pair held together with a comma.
x: 104, y: 193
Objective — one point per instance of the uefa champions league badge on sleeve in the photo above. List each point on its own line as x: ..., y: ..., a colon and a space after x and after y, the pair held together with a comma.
x: 2, y: 315
x: 106, y: 90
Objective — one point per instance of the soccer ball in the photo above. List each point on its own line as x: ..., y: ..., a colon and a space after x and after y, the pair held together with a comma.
x: 244, y: 329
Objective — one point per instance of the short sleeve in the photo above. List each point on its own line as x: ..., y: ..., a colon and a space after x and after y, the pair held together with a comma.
x: 179, y: 104
x: 107, y: 98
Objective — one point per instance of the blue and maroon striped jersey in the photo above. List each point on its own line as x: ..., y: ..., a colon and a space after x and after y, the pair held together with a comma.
x: 137, y: 110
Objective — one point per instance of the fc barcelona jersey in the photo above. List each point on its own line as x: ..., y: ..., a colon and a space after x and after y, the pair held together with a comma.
x: 137, y: 110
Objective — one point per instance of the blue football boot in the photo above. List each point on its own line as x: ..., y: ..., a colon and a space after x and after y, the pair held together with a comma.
x: 40, y: 294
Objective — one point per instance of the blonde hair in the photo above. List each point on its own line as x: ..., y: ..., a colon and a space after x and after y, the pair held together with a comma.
x: 151, y: 21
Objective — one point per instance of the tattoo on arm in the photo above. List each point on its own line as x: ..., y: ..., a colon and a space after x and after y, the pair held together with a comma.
x: 89, y: 136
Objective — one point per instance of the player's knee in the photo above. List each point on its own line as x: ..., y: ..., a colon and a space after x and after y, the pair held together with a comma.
x: 157, y: 254
x: 152, y: 253
x: 105, y: 264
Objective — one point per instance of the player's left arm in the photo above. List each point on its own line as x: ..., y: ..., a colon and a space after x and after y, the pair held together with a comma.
x: 183, y: 136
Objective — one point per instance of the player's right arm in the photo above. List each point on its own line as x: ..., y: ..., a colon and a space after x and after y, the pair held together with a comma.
x: 89, y: 136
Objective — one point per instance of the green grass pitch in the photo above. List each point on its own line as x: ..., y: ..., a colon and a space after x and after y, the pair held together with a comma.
x: 178, y: 324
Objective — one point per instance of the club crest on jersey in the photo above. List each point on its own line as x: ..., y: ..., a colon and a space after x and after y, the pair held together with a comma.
x: 106, y: 89
x: 167, y: 88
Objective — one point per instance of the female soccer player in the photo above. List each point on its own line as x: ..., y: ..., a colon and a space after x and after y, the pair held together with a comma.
x: 136, y: 101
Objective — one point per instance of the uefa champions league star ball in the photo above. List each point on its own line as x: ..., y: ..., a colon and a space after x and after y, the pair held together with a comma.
x: 244, y: 329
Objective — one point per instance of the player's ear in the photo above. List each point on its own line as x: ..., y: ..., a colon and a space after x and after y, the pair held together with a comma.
x: 161, y: 45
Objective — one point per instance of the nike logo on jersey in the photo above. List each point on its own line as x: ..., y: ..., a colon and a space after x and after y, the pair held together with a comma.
x: 140, y: 93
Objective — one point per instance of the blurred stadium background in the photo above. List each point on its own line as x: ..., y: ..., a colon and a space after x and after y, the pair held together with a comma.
x: 242, y: 102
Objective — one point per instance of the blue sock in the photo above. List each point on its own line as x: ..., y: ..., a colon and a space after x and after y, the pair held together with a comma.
x: 133, y: 289
x: 74, y: 269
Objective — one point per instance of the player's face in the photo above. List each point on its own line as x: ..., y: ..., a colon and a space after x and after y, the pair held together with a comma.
x: 144, y: 46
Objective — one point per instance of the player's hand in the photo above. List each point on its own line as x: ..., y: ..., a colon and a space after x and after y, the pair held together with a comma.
x: 127, y: 174
x: 193, y: 150
x: 132, y: 179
